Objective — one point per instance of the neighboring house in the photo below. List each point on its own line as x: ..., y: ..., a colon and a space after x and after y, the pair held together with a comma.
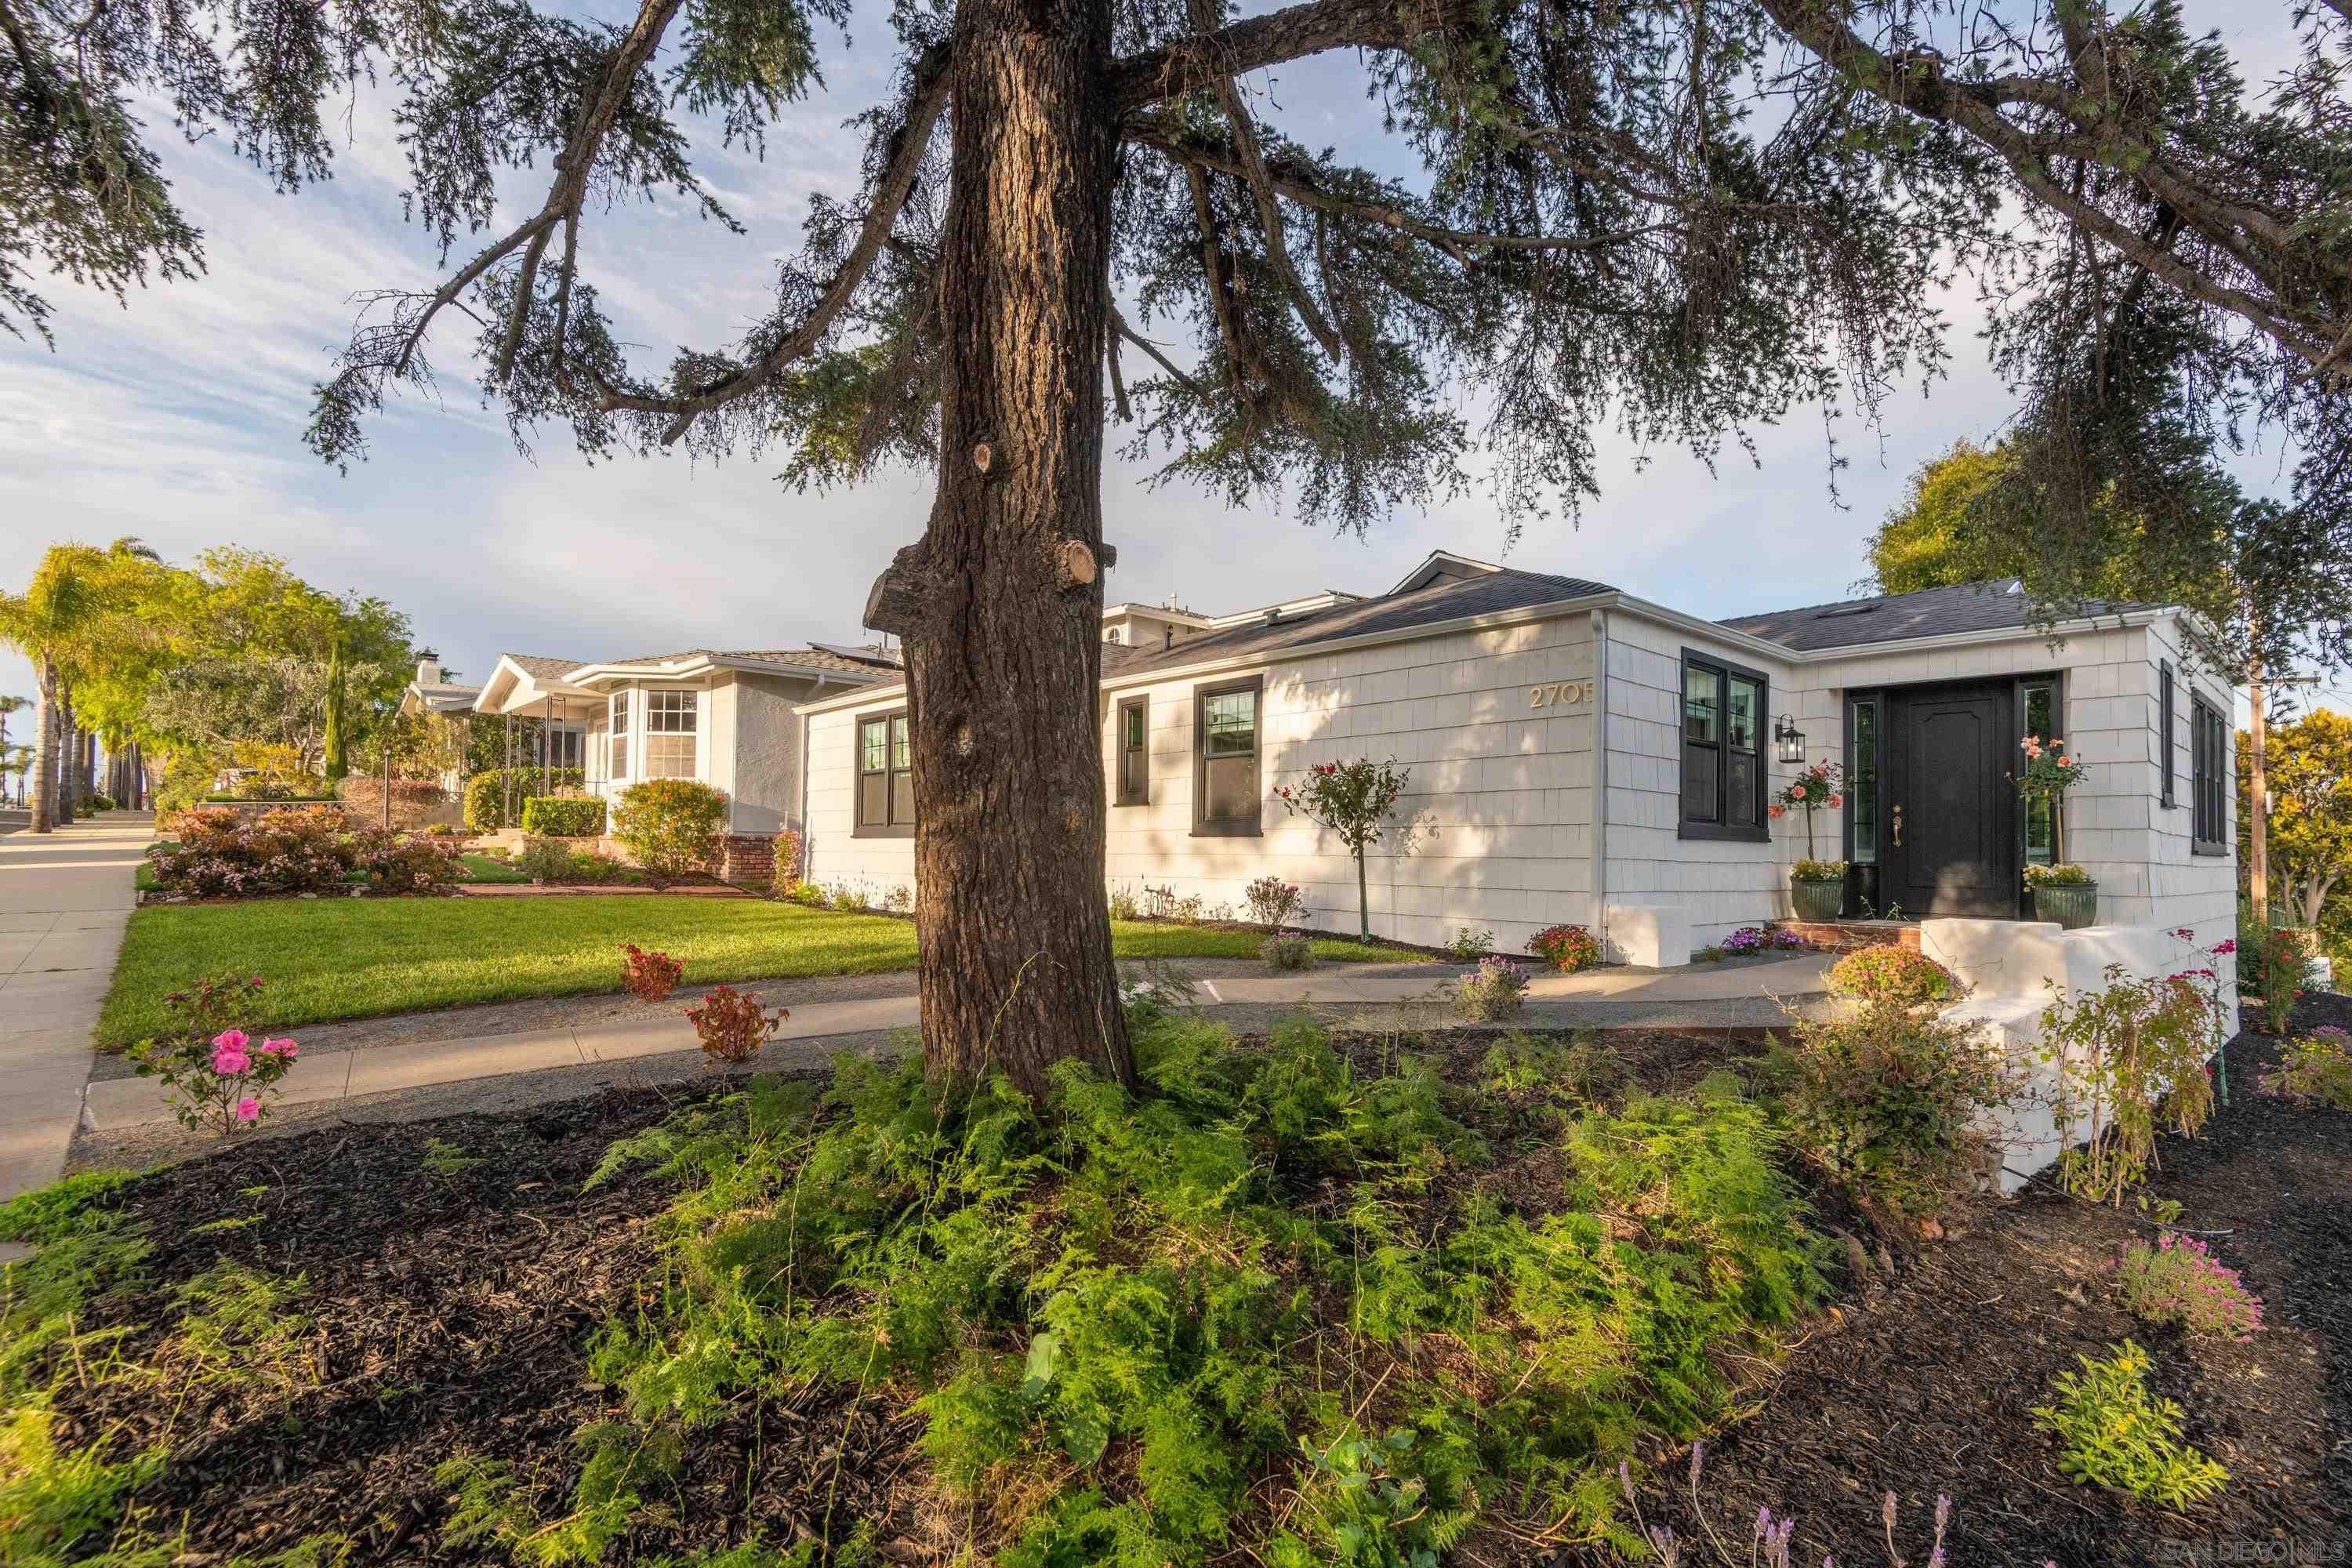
x: 722, y: 717
x: 1581, y: 755
x: 435, y: 691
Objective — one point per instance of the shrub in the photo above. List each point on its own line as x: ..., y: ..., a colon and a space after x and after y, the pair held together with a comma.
x: 218, y: 851
x: 2272, y: 962
x: 1567, y: 948
x: 669, y: 826
x: 1288, y: 950
x: 563, y: 816
x: 899, y: 900
x: 211, y: 1003
x: 1124, y: 905
x: 2125, y: 1059
x: 2117, y: 1434
x: 223, y: 1083
x: 485, y: 793
x: 1468, y: 946
x: 2315, y: 1071
x: 808, y: 895
x: 731, y: 1024
x: 99, y: 800
x: 595, y: 870
x: 848, y: 899
x: 1757, y: 938
x: 786, y: 853
x: 1493, y: 990
x: 649, y: 977
x: 1888, y: 1098
x: 414, y: 802
x: 1273, y: 902
x: 1891, y: 973
x: 2178, y: 1281
x: 544, y: 861
x: 405, y: 862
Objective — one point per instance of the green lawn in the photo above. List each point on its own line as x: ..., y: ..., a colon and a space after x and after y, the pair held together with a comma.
x: 325, y: 960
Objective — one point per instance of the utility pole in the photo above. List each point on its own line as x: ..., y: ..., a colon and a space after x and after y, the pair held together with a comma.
x: 2258, y: 796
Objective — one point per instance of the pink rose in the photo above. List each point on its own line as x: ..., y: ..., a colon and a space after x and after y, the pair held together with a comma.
x: 1796, y: 792
x: 1776, y: 811
x: 231, y: 1040
x: 1836, y: 801
x: 248, y: 1110
x: 228, y: 1061
x: 286, y: 1049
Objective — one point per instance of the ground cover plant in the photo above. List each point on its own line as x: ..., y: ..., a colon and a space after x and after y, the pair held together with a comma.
x: 2315, y: 1071
x: 1891, y: 973
x: 2117, y: 1434
x: 2177, y: 1280
x: 1494, y: 990
x: 344, y: 958
x: 1567, y: 948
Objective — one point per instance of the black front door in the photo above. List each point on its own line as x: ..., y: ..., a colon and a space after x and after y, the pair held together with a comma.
x: 1950, y: 839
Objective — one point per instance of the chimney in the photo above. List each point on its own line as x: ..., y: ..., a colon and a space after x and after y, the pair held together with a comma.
x: 428, y: 668
x: 1167, y: 638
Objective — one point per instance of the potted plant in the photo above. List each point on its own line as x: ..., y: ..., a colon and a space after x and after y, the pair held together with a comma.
x: 1816, y: 888
x: 2050, y: 772
x: 2063, y: 894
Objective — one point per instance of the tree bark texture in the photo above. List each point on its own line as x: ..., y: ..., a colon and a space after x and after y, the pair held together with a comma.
x: 44, y: 749
x: 69, y: 744
x: 1004, y: 651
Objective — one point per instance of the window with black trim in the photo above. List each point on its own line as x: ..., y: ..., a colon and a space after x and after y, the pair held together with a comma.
x: 2165, y: 718
x: 2209, y: 777
x: 1134, y: 743
x: 1226, y: 751
x: 886, y: 777
x: 1723, y: 750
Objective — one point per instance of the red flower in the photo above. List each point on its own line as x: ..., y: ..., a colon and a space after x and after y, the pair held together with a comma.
x: 1836, y: 801
x: 2227, y: 944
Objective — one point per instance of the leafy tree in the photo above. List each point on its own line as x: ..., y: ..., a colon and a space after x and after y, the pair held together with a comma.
x: 1353, y: 800
x: 1683, y: 216
x: 1925, y: 542
x: 46, y: 623
x: 2308, y: 763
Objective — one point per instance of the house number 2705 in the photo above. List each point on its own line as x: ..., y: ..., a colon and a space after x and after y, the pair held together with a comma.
x: 1560, y: 692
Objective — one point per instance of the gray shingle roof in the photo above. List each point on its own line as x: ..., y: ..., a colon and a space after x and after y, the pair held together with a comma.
x: 1930, y: 612
x: 1445, y: 600
x: 539, y: 669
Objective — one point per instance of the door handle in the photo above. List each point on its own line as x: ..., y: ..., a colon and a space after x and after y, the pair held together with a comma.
x: 1898, y: 826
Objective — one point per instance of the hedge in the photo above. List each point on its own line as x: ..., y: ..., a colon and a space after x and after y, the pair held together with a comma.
x: 485, y: 793
x: 563, y: 816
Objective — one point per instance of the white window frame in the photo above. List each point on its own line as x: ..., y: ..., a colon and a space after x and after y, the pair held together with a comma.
x: 672, y: 703
x: 616, y: 742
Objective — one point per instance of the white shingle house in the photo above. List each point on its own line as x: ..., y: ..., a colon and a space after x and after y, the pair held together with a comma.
x: 1579, y: 754
x: 724, y: 718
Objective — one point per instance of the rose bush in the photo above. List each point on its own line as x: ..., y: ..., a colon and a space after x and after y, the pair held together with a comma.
x: 217, y: 851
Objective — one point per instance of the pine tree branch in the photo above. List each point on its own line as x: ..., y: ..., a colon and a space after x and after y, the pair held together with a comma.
x: 1457, y: 243
x: 1269, y: 211
x: 1975, y: 108
x: 1289, y: 34
x: 926, y: 101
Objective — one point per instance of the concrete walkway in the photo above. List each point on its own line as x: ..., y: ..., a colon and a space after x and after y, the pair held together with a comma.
x: 1742, y: 994
x: 65, y: 898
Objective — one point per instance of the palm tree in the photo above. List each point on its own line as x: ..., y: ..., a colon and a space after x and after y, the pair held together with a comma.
x: 44, y: 623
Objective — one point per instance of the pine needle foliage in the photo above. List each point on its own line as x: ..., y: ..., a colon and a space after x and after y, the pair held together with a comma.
x: 1120, y: 1312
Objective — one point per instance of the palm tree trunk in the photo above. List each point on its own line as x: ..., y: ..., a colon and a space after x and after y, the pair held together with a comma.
x: 44, y: 749
x: 70, y: 746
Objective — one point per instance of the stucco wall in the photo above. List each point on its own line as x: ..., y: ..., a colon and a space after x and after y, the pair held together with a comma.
x: 764, y: 751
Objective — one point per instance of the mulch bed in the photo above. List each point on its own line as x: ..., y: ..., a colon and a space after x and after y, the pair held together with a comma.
x: 452, y: 1314
x: 1923, y: 1386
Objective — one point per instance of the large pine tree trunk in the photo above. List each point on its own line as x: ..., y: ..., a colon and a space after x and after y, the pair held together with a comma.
x: 1003, y: 649
x: 45, y: 751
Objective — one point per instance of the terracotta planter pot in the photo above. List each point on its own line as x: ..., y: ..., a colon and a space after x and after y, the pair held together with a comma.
x: 1817, y: 901
x: 2071, y: 907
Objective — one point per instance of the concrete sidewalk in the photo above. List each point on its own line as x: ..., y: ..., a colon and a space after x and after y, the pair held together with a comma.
x: 65, y: 898
x: 1661, y: 997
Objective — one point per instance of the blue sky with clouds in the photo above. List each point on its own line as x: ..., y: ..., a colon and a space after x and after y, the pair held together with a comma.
x: 179, y: 418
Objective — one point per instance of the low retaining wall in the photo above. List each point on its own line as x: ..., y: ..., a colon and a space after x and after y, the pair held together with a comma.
x: 2014, y: 970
